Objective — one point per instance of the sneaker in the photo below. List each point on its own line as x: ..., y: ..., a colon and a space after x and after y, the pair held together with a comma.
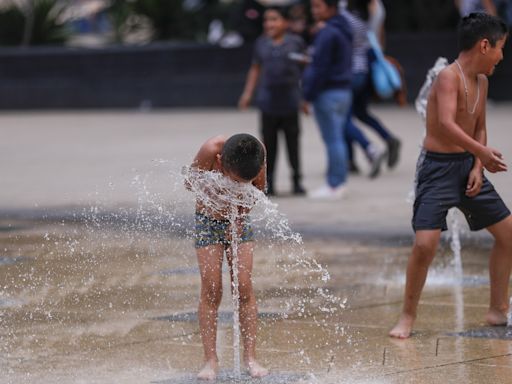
x: 376, y: 156
x: 393, y: 151
x: 327, y: 192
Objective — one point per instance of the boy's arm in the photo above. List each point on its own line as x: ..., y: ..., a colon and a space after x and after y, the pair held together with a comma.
x: 206, y: 156
x: 481, y: 126
x: 250, y: 85
x: 475, y: 178
x: 316, y: 72
x: 490, y: 7
x: 260, y: 181
x: 446, y: 92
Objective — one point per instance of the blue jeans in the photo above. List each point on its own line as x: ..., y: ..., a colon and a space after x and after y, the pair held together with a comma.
x: 331, y: 111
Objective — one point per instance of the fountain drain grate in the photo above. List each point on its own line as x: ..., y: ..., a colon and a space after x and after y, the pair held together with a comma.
x: 223, y: 317
x: 501, y: 333
x: 10, y: 260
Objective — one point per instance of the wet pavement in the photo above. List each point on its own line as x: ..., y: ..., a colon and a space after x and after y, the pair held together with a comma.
x: 103, y: 301
x: 77, y: 309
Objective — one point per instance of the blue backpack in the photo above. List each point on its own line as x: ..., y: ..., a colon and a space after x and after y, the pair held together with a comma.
x: 385, y: 77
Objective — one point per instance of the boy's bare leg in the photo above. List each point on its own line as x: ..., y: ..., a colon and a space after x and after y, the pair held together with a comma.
x: 210, y: 266
x: 423, y: 253
x: 248, y: 309
x: 500, y: 264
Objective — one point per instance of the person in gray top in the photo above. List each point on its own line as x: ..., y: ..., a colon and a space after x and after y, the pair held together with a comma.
x: 277, y: 68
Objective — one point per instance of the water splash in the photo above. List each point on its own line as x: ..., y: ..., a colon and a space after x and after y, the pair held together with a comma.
x: 221, y: 196
x: 455, y: 244
x: 93, y: 268
x: 422, y: 98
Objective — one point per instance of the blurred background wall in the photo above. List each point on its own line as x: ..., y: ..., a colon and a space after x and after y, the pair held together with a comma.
x: 181, y: 53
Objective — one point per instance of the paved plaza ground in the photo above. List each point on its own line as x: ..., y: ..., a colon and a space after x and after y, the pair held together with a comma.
x: 94, y: 289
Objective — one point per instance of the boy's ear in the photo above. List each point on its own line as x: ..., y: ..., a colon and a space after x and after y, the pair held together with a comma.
x: 218, y: 159
x: 484, y: 46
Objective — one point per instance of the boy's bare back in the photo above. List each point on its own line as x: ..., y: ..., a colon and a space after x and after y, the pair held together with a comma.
x: 208, y: 157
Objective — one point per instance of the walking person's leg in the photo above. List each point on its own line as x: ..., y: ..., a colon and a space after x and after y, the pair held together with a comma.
x: 352, y: 166
x: 331, y: 111
x: 269, y: 132
x: 375, y: 155
x: 291, y: 127
x: 362, y: 94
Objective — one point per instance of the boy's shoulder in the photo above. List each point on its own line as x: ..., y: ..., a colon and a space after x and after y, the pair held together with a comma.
x: 214, y: 144
x: 446, y: 78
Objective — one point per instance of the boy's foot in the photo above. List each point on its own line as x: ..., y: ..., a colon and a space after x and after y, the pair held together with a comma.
x: 209, y: 371
x: 495, y: 317
x: 376, y: 156
x: 403, y: 329
x: 255, y: 370
x: 327, y: 192
x: 393, y: 151
x: 298, y: 190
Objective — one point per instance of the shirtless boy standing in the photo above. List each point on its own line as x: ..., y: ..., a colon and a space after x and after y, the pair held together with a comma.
x: 456, y: 154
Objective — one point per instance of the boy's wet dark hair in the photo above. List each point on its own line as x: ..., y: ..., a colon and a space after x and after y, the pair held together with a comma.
x: 477, y: 26
x: 331, y: 3
x: 284, y: 12
x: 244, y: 155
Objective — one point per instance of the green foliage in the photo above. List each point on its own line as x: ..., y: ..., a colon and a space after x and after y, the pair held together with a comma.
x: 46, y: 26
x: 12, y: 23
x: 119, y: 13
x: 36, y: 25
x: 168, y: 18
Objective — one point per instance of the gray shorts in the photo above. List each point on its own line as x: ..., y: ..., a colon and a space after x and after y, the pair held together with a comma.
x: 441, y: 184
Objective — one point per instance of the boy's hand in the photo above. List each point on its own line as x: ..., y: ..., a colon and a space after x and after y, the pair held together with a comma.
x: 475, y: 182
x: 305, y: 107
x: 244, y: 101
x: 492, y: 160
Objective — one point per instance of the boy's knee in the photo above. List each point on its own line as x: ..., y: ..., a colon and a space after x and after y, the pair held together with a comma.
x: 246, y: 292
x: 425, y: 250
x: 504, y: 242
x: 212, y: 294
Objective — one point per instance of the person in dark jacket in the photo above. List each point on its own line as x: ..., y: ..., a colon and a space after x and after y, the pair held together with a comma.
x: 327, y: 85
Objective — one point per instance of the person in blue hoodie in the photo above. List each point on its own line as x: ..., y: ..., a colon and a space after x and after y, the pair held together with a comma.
x: 327, y: 86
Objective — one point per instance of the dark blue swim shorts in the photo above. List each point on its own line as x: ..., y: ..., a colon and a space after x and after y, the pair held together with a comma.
x: 441, y: 184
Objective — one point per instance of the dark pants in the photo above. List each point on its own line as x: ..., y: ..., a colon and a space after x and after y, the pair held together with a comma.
x: 362, y: 90
x: 270, y: 127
